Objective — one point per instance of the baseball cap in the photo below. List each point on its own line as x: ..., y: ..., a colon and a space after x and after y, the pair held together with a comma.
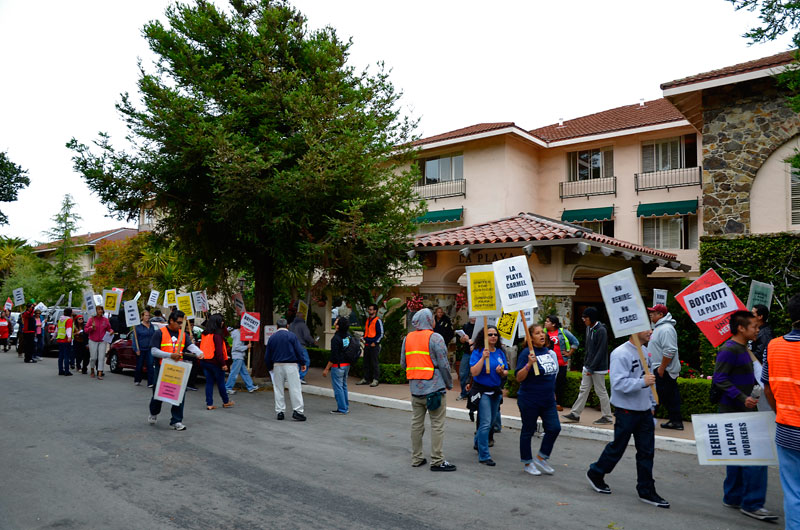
x: 659, y: 308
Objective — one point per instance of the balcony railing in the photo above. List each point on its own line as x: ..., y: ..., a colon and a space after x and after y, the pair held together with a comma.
x: 440, y: 190
x: 585, y: 188
x: 670, y: 178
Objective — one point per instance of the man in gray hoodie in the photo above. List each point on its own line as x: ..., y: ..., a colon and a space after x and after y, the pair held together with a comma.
x: 663, y: 349
x: 595, y: 368
x: 423, y: 356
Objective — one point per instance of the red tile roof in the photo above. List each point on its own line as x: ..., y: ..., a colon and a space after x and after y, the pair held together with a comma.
x: 522, y: 228
x: 466, y: 131
x: 618, y: 119
x: 741, y: 68
x: 93, y: 238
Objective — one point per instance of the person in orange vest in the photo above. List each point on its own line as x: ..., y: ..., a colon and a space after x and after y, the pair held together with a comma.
x: 423, y: 356
x: 214, y: 362
x: 172, y: 342
x: 781, y: 378
x: 5, y: 329
x: 373, y: 333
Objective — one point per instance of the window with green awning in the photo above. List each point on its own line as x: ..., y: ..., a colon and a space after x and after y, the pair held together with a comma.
x: 587, y: 214
x: 440, y: 216
x: 660, y: 209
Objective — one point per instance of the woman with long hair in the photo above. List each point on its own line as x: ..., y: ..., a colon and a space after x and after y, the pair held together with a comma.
x: 80, y: 344
x: 212, y: 342
x: 488, y: 366
x: 338, y: 366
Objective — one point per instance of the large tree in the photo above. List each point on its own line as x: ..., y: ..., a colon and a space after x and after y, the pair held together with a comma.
x: 12, y: 179
x: 65, y: 261
x: 262, y: 149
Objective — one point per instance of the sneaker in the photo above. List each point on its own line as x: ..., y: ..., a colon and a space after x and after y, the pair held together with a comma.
x: 152, y: 420
x: 531, y: 470
x: 231, y: 392
x: 374, y: 383
x: 254, y: 389
x: 37, y: 358
x: 444, y: 466
x: 571, y: 417
x: 461, y: 398
x: 654, y: 499
x: 734, y: 506
x: 137, y: 383
x: 178, y: 426
x: 761, y: 514
x: 362, y: 382
x: 672, y: 425
x: 488, y: 462
x: 280, y: 415
x: 303, y: 382
x: 542, y: 464
x: 597, y: 482
x: 420, y: 463
x: 338, y: 412
x: 193, y: 389
x: 298, y: 416
x: 148, y: 386
x: 603, y: 421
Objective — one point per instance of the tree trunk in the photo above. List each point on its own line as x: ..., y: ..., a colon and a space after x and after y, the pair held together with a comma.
x: 264, y: 271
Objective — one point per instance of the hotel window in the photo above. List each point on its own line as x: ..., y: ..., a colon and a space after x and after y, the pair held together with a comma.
x: 795, y: 196
x: 672, y: 232
x: 599, y: 227
x: 669, y: 153
x: 590, y: 164
x: 442, y: 169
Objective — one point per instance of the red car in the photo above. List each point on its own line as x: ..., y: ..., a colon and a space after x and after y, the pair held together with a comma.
x: 120, y: 355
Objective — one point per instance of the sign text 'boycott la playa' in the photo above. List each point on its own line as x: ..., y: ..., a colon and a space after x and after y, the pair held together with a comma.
x: 710, y: 302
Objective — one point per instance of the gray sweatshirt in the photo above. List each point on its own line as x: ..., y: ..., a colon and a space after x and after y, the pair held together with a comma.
x: 442, y: 379
x: 664, y: 343
x: 628, y: 390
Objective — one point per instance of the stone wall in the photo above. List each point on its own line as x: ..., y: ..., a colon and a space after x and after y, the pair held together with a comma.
x: 742, y: 125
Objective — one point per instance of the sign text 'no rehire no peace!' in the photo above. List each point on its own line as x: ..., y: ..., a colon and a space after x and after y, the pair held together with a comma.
x: 627, y: 313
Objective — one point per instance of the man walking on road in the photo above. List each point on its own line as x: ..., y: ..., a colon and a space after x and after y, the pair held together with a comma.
x: 28, y: 330
x: 635, y: 407
x: 664, y: 350
x: 423, y: 356
x: 373, y: 333
x: 595, y: 368
x: 781, y: 378
x: 283, y: 356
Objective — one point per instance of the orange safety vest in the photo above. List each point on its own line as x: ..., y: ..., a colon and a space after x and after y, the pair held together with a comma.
x: 168, y: 346
x: 418, y: 355
x: 370, y: 329
x: 207, y: 346
x: 783, y: 360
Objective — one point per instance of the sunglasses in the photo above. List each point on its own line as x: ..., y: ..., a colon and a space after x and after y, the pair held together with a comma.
x: 491, y: 334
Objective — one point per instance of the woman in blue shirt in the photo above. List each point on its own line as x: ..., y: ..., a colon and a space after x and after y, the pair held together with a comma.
x: 141, y: 346
x: 488, y: 384
x: 536, y: 399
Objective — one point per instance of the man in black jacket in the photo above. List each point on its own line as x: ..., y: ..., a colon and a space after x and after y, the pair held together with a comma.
x: 443, y: 325
x: 595, y: 368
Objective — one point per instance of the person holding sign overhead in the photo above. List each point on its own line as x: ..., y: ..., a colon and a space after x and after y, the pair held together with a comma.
x: 488, y: 366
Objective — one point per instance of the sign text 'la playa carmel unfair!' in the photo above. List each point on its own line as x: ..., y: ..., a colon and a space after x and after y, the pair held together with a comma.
x: 514, y: 285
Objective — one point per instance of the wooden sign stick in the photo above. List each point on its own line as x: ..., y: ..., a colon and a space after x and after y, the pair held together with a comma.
x: 646, y: 369
x: 249, y: 347
x: 528, y: 339
x: 486, y: 340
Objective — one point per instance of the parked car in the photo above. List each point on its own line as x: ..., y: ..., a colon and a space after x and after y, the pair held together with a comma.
x: 120, y: 355
x: 12, y: 339
x: 50, y: 325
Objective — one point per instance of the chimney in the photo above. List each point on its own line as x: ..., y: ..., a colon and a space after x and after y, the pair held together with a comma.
x: 561, y: 122
x: 641, y: 103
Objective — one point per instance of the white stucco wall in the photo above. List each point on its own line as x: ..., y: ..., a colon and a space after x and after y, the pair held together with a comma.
x: 770, y: 197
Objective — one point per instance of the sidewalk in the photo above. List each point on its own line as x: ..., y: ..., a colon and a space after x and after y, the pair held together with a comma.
x: 398, y: 397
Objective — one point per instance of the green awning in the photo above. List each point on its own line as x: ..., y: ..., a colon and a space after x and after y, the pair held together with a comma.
x: 588, y: 214
x: 659, y: 209
x: 440, y: 216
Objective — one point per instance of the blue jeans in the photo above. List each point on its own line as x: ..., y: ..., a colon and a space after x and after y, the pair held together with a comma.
x: 177, y: 410
x: 530, y: 412
x: 40, y: 345
x: 214, y: 376
x: 64, y: 353
x: 463, y: 374
x: 789, y: 461
x: 238, y: 368
x: 488, y: 409
x: 339, y: 384
x: 638, y: 424
x: 144, y: 359
x: 307, y: 362
x: 746, y: 486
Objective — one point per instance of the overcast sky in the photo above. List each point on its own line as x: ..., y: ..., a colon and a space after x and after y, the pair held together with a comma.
x: 64, y: 65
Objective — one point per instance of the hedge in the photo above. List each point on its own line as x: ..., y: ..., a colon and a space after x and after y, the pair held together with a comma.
x: 391, y: 374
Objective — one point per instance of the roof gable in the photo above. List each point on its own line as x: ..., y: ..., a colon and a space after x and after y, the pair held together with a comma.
x: 779, y: 59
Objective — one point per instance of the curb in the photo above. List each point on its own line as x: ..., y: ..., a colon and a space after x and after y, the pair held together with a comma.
x: 665, y: 443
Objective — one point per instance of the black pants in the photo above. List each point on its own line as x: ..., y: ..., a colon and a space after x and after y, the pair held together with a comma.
x: 372, y: 370
x: 193, y: 375
x: 81, y: 353
x: 4, y: 344
x: 561, y: 384
x: 29, y: 345
x: 668, y: 395
x: 638, y: 424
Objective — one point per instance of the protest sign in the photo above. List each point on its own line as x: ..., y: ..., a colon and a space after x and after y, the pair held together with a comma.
x: 269, y: 330
x: 660, y: 296
x: 627, y: 313
x: 69, y: 300
x: 152, y: 300
x: 171, y: 382
x: 135, y: 298
x: 184, y: 302
x: 40, y: 307
x: 170, y: 298
x: 481, y: 296
x: 302, y: 310
x: 251, y: 322
x: 9, y: 304
x: 58, y: 302
x: 760, y: 293
x: 529, y: 316
x: 709, y: 301
x: 238, y: 303
x: 131, y: 311
x: 200, y: 301
x: 507, y: 327
x: 112, y: 300
x: 514, y: 283
x: 735, y: 439
x: 490, y: 321
x: 19, y: 296
x: 88, y: 300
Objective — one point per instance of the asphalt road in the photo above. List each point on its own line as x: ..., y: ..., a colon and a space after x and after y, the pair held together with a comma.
x: 78, y: 453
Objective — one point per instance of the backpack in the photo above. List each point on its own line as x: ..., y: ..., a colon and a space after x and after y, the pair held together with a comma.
x: 352, y: 351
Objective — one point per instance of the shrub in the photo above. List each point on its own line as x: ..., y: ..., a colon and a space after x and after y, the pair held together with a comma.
x: 391, y: 373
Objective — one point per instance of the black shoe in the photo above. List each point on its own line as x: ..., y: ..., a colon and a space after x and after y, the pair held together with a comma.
x: 596, y: 480
x: 296, y: 416
x: 420, y: 463
x: 654, y: 499
x: 31, y: 361
x: 60, y: 373
x: 280, y: 415
x: 444, y: 466
x: 672, y: 425
x: 67, y: 373
x: 489, y: 462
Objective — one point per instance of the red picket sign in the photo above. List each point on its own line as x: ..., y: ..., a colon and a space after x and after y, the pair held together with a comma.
x: 709, y: 302
x: 248, y: 322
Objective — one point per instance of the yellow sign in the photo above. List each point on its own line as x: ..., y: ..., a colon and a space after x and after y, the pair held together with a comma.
x: 184, y: 303
x: 170, y: 296
x: 173, y: 374
x: 507, y: 326
x: 112, y: 301
x: 482, y: 289
x: 302, y: 310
